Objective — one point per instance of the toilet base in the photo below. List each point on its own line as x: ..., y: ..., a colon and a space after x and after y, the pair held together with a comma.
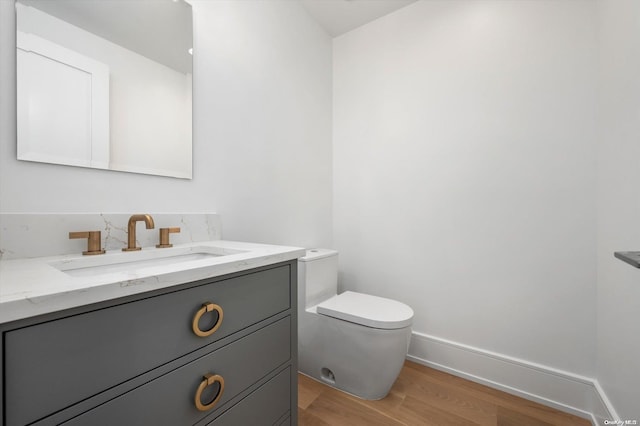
x: 359, y: 360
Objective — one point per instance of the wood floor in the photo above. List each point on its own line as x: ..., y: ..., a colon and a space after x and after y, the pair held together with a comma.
x: 424, y: 396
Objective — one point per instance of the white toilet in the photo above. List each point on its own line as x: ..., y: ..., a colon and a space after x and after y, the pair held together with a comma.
x: 353, y: 341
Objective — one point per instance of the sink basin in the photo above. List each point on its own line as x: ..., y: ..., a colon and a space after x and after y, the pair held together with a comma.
x: 135, y: 261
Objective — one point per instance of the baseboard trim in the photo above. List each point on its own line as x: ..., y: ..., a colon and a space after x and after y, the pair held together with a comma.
x: 562, y: 390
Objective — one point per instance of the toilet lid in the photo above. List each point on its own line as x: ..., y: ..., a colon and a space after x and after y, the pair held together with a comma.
x: 370, y: 311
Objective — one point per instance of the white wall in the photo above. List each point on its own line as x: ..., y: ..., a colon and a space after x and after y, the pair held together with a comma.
x: 262, y: 117
x: 464, y: 172
x: 619, y: 205
x: 268, y: 114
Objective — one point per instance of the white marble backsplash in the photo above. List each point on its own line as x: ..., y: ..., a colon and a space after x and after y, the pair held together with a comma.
x: 26, y: 235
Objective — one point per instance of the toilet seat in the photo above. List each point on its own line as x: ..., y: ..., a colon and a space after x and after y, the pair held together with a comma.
x: 365, y: 309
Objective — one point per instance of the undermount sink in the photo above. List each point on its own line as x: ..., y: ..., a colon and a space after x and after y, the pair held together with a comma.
x: 135, y: 261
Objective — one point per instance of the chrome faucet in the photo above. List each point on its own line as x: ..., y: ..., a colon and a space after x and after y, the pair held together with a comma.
x: 148, y: 220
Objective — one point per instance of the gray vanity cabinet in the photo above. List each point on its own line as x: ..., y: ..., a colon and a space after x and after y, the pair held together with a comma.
x: 138, y: 360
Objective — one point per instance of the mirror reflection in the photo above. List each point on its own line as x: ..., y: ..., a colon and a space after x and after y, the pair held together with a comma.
x: 105, y: 84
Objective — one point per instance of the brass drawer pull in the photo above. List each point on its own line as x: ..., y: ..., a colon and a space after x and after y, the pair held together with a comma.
x: 208, y: 380
x: 207, y: 307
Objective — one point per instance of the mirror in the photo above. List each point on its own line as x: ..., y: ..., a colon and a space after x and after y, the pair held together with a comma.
x: 105, y: 84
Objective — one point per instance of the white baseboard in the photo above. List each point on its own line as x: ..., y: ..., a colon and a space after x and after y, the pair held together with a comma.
x: 565, y: 391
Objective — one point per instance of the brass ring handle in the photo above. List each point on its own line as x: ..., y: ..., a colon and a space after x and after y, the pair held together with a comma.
x: 207, y: 307
x: 208, y: 380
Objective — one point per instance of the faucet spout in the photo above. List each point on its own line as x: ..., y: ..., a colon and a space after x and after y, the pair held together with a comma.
x: 131, y: 230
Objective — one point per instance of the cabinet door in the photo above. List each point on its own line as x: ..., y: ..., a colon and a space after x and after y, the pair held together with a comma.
x: 264, y: 407
x: 59, y: 363
x: 170, y: 399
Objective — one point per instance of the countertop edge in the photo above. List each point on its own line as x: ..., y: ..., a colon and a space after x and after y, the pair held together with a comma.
x: 33, y: 303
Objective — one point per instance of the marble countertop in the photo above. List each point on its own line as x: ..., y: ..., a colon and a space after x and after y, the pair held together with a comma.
x: 30, y: 287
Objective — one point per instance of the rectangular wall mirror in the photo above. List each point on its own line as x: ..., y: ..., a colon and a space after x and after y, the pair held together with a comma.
x: 106, y: 84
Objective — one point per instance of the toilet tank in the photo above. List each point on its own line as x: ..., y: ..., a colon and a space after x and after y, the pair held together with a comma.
x: 317, y: 276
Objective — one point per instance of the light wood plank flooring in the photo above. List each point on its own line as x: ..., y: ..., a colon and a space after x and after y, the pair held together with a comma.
x: 424, y: 396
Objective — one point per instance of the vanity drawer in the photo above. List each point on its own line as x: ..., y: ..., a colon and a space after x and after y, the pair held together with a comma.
x: 264, y: 407
x: 170, y: 399
x: 52, y: 365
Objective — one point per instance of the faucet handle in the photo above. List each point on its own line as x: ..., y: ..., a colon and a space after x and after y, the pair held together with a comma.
x: 93, y: 241
x: 164, y: 237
